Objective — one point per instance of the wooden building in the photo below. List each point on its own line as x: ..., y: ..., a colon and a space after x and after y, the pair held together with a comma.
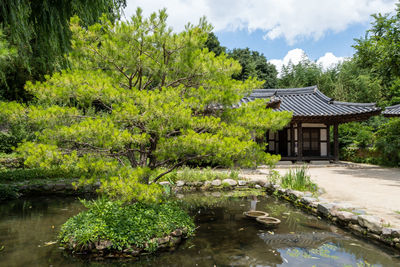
x: 315, y: 119
x: 392, y: 111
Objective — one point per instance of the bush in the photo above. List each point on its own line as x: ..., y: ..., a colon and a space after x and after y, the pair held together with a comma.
x: 123, y: 225
x: 8, y: 192
x: 15, y: 175
x: 298, y: 179
x: 388, y: 142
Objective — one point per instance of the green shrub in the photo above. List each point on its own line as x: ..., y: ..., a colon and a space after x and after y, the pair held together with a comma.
x: 298, y: 179
x: 388, y: 142
x: 124, y: 225
x: 8, y: 192
x: 14, y: 175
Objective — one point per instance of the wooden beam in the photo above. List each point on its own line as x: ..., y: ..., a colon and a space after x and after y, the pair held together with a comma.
x: 292, y: 140
x: 299, y: 141
x: 336, y: 141
x: 328, y: 140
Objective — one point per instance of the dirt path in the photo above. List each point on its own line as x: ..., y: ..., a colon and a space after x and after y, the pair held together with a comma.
x: 373, y: 188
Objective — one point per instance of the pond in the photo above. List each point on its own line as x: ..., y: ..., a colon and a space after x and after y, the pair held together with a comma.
x: 28, y: 229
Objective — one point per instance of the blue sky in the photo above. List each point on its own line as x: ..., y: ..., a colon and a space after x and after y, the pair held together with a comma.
x: 283, y: 30
x: 337, y: 43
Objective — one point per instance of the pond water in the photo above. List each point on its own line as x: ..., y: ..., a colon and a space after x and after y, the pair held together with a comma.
x: 28, y: 229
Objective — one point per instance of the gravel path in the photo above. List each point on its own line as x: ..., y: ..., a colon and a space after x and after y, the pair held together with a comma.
x: 373, y: 188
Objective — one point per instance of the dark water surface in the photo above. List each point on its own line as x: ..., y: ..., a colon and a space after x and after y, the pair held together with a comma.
x: 28, y: 229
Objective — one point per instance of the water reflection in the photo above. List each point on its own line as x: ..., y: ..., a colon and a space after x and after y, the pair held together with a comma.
x: 224, y: 237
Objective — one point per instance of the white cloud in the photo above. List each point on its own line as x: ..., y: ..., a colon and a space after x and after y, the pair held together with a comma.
x: 329, y: 60
x: 296, y: 55
x: 290, y: 19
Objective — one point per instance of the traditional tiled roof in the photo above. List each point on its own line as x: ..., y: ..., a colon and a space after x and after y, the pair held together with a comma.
x: 392, y: 111
x: 309, y: 104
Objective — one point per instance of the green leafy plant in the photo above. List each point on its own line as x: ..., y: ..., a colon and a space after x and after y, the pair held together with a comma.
x: 18, y: 175
x: 298, y: 179
x: 123, y: 225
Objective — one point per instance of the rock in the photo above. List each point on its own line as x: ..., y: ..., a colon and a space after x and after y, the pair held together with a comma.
x: 230, y: 182
x: 294, y: 194
x: 308, y: 194
x: 308, y: 200
x: 354, y: 219
x: 281, y: 191
x: 257, y: 186
x: 344, y: 216
x: 163, y: 240
x: 386, y: 231
x: 59, y: 187
x: 216, y: 182
x: 180, y: 183
x: 103, y: 244
x: 175, y: 240
x: 396, y: 240
x: 198, y: 184
x: 207, y: 183
x: 325, y: 208
x: 242, y: 182
x: 164, y: 183
x: 177, y: 232
x: 393, y: 232
x: 374, y: 236
x: 356, y: 228
x: 372, y: 223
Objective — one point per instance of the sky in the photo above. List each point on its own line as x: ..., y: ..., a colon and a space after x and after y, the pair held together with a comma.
x: 283, y: 30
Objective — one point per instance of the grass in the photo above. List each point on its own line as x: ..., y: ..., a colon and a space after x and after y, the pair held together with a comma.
x: 298, y: 179
x: 124, y: 225
x: 397, y: 211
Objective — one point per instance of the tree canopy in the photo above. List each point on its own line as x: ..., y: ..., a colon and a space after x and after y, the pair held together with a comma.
x: 379, y: 52
x: 254, y: 64
x: 139, y: 101
x: 39, y: 33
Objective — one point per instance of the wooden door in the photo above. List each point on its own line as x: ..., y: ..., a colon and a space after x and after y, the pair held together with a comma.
x: 311, y: 142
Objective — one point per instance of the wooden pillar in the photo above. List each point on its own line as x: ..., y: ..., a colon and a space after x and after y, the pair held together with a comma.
x: 292, y: 140
x: 336, y: 142
x: 328, y: 140
x: 299, y: 141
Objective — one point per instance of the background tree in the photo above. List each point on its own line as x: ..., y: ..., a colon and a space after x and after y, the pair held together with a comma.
x: 254, y: 64
x: 379, y: 52
x: 139, y: 102
x: 39, y: 32
x: 214, y: 45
